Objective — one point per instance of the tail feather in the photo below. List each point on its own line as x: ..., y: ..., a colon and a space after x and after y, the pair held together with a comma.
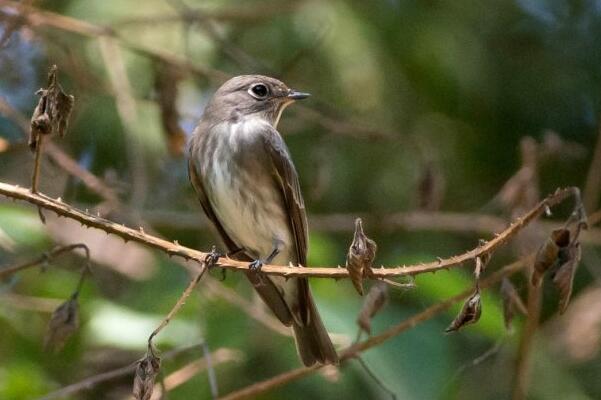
x: 312, y: 340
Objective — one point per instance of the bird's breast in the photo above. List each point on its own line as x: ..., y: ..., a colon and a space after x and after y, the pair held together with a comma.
x: 244, y: 195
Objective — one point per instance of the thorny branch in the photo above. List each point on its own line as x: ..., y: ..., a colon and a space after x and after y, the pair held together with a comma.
x: 175, y: 249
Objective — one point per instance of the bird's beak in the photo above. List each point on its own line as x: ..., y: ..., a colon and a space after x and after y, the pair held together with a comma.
x: 294, y: 95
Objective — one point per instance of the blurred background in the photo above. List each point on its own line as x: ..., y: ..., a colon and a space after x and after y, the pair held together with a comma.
x: 434, y: 121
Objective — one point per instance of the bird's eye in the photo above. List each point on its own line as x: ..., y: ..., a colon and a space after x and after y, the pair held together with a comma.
x: 259, y: 91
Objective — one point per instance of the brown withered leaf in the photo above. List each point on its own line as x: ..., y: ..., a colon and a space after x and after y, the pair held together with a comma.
x: 64, y: 321
x: 511, y: 301
x: 469, y: 314
x: 547, y: 255
x: 146, y: 372
x: 165, y: 84
x: 51, y: 115
x: 564, y: 277
x: 374, y: 301
x: 360, y: 256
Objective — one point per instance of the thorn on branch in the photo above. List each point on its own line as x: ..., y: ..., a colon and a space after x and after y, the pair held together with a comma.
x: 360, y: 257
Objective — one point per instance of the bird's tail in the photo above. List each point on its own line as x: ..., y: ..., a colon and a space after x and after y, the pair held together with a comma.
x: 312, y: 340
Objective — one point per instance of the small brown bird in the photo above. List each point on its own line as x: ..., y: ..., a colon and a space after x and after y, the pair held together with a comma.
x: 248, y: 187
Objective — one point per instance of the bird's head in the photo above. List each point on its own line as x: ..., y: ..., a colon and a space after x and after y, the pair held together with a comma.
x: 253, y: 95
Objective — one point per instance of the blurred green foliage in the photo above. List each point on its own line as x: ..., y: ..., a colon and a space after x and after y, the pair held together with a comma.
x: 453, y: 85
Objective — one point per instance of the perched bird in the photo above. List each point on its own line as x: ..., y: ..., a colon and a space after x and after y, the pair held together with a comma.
x: 248, y: 187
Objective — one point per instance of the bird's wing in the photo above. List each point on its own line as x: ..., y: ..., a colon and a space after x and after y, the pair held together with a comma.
x: 286, y: 179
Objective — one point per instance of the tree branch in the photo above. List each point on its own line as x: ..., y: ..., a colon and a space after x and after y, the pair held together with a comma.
x: 175, y: 249
x: 255, y: 389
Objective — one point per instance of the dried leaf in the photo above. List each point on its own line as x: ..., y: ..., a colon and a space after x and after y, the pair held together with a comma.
x: 548, y: 253
x: 51, y: 115
x: 511, y: 301
x: 360, y: 257
x: 564, y: 277
x: 469, y: 314
x: 374, y: 301
x: 64, y: 321
x: 146, y: 372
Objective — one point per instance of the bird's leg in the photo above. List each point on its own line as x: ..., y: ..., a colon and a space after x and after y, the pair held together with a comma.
x: 256, y: 265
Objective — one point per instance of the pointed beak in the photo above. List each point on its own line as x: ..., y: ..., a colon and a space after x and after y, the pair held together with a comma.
x: 295, y: 95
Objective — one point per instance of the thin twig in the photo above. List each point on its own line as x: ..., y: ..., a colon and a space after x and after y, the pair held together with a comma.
x: 35, y: 176
x: 255, y: 389
x: 46, y: 257
x: 375, y: 377
x: 524, y: 356
x: 92, y: 381
x: 592, y: 187
x: 180, y: 302
x: 175, y: 248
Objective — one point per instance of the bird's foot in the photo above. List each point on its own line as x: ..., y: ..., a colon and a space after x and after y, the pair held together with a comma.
x: 212, y: 257
x: 256, y: 266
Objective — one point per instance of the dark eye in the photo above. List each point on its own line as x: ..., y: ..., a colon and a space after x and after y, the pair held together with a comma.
x: 259, y: 91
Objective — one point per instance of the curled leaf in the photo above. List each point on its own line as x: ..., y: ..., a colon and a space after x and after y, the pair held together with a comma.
x: 51, y: 115
x: 511, y: 301
x: 469, y: 314
x: 146, y: 372
x: 547, y: 255
x: 374, y: 301
x: 64, y: 321
x: 564, y: 277
x: 360, y: 257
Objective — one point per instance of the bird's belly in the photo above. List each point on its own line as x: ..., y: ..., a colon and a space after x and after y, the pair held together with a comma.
x: 251, y: 211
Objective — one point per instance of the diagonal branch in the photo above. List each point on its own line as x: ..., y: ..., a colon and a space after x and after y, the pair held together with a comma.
x: 175, y: 249
x: 254, y: 390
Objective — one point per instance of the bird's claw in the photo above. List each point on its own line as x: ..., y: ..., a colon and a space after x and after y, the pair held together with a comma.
x: 256, y: 266
x: 212, y: 257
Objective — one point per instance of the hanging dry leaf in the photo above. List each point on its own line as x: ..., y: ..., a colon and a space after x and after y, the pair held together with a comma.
x: 511, y: 301
x: 564, y: 277
x: 469, y: 314
x: 374, y: 301
x: 547, y: 254
x: 64, y: 321
x: 51, y: 115
x: 360, y: 257
x: 146, y: 372
x: 481, y: 261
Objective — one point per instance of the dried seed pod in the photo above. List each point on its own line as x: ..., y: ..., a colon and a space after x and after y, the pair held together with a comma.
x: 51, y: 115
x: 548, y: 253
x: 511, y: 301
x: 469, y: 314
x: 374, y: 301
x: 360, y: 257
x: 146, y: 372
x: 64, y: 321
x: 564, y: 277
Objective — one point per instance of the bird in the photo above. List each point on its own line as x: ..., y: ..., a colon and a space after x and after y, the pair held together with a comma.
x: 248, y: 187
